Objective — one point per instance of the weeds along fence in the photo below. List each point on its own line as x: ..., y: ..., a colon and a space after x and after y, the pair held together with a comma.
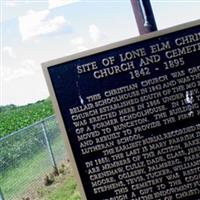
x: 27, y: 156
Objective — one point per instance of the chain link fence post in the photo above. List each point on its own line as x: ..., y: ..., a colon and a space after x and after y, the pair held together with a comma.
x: 1, y: 195
x: 45, y: 132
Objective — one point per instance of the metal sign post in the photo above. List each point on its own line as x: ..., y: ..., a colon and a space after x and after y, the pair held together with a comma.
x: 144, y: 16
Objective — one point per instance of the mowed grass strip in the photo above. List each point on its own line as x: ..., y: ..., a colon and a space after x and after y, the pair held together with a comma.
x: 67, y: 191
x: 18, y: 180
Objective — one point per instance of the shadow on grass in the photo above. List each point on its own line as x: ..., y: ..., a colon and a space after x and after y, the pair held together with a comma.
x: 68, y: 191
x: 63, y: 188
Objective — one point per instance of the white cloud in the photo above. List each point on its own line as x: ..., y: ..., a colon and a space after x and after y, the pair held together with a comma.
x: 28, y: 64
x: 77, y: 41
x: 58, y: 3
x: 81, y: 48
x: 79, y: 44
x: 37, y: 23
x: 9, y: 51
x: 11, y: 74
x: 26, y: 68
x: 14, y: 3
x: 94, y: 32
x: 11, y: 3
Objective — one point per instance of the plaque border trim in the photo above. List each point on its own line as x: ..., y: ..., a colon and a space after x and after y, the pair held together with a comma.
x: 91, y: 52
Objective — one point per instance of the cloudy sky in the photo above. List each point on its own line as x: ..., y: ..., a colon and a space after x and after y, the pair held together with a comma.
x: 35, y: 31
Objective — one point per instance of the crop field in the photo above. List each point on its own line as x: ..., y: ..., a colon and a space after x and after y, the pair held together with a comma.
x: 13, y: 118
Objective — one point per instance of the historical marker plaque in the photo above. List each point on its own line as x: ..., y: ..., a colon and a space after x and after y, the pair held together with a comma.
x: 130, y: 113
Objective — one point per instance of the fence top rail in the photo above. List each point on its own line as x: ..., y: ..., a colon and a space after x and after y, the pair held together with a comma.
x: 25, y: 128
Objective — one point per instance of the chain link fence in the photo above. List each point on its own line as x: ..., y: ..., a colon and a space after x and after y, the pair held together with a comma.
x: 27, y: 156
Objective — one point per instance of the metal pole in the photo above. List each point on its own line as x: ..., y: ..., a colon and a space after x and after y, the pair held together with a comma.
x: 144, y: 16
x: 49, y: 148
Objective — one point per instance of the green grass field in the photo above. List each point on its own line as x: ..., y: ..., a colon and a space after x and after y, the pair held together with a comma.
x: 65, y: 191
x: 17, y: 181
